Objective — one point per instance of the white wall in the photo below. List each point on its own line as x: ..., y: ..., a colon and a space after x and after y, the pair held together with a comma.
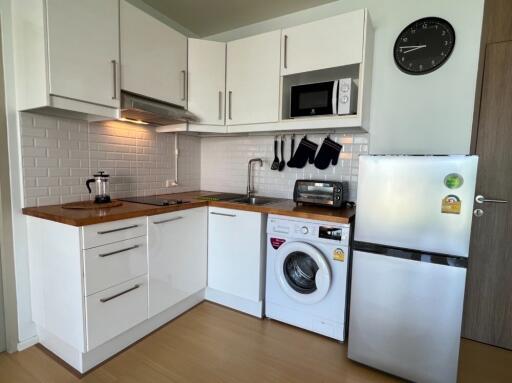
x: 429, y: 114
x: 20, y: 328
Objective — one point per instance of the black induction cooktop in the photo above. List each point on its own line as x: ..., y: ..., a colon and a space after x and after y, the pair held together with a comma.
x: 152, y: 200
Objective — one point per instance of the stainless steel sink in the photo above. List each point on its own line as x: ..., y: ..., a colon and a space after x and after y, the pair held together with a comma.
x: 254, y: 200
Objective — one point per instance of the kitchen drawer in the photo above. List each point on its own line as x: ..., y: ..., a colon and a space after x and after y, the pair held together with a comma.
x: 109, y: 265
x: 110, y: 232
x: 116, y: 310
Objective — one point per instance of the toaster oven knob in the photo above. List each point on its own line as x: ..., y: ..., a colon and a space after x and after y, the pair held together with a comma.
x: 304, y: 230
x: 344, y: 99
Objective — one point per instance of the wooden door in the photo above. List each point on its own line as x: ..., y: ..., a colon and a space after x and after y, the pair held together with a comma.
x: 488, y: 304
x: 207, y: 80
x: 322, y: 44
x: 83, y: 50
x: 253, y: 79
x: 153, y: 57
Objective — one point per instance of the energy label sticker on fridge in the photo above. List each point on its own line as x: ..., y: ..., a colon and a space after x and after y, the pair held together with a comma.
x: 451, y: 204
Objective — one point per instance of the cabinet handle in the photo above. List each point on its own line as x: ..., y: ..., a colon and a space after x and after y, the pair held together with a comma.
x: 104, y: 300
x: 230, y: 97
x: 184, y: 75
x: 119, y: 251
x: 285, y: 51
x: 120, y: 229
x: 220, y: 105
x: 223, y: 214
x: 114, y: 73
x: 167, y: 220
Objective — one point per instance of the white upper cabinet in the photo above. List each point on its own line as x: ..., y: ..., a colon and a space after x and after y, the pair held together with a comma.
x: 207, y: 80
x: 83, y: 50
x: 252, y: 82
x: 332, y: 42
x: 66, y: 56
x: 153, y: 57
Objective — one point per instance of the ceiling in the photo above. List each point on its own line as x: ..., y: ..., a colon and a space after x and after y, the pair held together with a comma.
x: 208, y: 17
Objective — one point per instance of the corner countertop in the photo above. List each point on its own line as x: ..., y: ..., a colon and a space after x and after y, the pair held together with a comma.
x: 282, y: 207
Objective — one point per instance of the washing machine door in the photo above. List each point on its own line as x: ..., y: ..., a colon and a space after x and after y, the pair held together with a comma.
x: 302, y: 272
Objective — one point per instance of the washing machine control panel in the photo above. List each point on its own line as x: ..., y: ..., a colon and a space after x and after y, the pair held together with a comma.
x: 326, y: 232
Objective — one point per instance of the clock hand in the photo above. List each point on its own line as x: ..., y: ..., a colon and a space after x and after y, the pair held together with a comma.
x: 412, y: 48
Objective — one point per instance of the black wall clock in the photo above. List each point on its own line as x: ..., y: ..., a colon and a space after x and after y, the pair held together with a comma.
x: 424, y: 45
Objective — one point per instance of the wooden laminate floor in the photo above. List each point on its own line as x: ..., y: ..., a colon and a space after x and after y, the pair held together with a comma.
x: 213, y: 344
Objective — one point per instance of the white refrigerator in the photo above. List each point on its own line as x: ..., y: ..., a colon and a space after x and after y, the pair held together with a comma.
x: 412, y: 231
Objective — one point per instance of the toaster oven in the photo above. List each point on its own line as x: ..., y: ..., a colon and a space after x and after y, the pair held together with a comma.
x: 323, y: 193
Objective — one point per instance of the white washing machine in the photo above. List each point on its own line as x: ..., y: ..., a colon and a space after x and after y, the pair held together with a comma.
x: 307, y: 266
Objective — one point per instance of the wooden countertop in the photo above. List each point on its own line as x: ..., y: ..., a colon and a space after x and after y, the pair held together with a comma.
x: 131, y: 210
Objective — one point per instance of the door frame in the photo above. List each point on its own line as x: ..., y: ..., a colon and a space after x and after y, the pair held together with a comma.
x: 8, y: 296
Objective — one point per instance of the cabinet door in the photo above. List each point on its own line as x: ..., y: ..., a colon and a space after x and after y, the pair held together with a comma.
x: 83, y: 50
x: 153, y: 57
x: 207, y: 80
x: 234, y: 252
x: 327, y: 43
x: 253, y: 79
x: 177, y: 257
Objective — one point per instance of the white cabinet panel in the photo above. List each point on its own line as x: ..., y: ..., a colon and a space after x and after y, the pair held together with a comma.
x: 83, y: 50
x: 153, y: 57
x: 252, y: 82
x: 177, y: 256
x: 108, y: 265
x: 110, y: 232
x: 326, y: 43
x: 207, y: 80
x: 235, y: 252
x: 113, y: 311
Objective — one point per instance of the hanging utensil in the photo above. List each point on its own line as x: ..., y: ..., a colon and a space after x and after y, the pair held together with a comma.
x: 282, y: 164
x: 275, y: 163
x: 292, y: 150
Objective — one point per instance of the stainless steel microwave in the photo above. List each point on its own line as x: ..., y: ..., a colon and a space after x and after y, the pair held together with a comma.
x: 336, y: 97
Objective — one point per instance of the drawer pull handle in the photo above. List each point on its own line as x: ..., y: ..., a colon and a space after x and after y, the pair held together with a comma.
x: 223, y: 214
x: 104, y: 300
x: 115, y: 230
x: 119, y: 251
x: 167, y: 220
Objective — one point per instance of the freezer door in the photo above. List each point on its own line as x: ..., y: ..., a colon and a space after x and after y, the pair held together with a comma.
x: 405, y: 317
x: 400, y: 202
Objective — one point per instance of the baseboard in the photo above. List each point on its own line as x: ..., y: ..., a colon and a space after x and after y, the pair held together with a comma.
x: 83, y: 362
x: 241, y: 304
x: 27, y: 343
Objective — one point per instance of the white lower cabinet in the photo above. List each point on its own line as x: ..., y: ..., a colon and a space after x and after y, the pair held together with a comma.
x: 113, y: 311
x: 236, y: 249
x: 177, y: 257
x: 109, y: 265
x: 95, y: 291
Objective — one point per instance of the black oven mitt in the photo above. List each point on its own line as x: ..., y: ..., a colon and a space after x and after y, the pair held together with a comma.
x: 305, y: 151
x: 329, y: 152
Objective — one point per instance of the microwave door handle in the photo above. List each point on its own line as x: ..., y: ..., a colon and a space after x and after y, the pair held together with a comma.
x: 335, y: 97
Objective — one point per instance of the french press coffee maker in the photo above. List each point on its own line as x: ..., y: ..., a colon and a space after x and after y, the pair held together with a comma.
x: 100, y: 187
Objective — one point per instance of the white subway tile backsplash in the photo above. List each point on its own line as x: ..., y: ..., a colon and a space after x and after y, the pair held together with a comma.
x: 224, y: 164
x: 60, y: 154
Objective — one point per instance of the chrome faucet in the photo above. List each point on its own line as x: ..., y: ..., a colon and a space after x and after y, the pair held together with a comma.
x: 250, y: 189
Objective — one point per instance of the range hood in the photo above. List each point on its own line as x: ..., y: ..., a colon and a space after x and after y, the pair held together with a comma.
x: 143, y: 110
